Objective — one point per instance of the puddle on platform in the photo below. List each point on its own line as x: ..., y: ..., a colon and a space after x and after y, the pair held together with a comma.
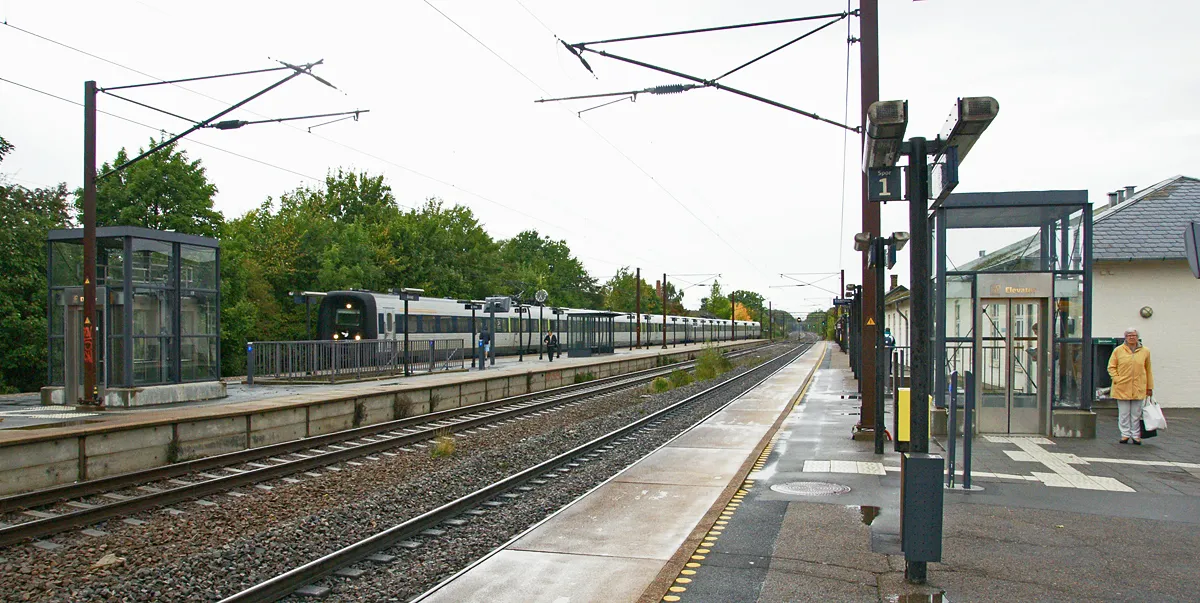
x: 869, y: 513
x: 917, y: 598
x: 59, y: 424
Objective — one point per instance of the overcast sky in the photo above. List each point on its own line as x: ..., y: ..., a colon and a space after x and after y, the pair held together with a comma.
x: 1094, y: 95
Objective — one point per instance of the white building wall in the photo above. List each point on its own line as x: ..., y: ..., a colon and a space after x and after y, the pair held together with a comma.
x: 1121, y: 289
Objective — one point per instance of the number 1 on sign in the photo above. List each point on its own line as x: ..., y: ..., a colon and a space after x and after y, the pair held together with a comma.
x: 883, y: 186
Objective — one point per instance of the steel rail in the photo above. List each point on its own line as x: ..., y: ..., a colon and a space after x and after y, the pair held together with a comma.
x: 54, y: 494
x: 286, y: 583
x: 378, y: 437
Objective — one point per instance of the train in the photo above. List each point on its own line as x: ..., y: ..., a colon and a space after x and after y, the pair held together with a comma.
x: 358, y: 315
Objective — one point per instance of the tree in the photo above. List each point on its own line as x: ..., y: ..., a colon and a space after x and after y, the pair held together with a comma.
x: 164, y: 191
x: 620, y: 293
x: 531, y: 262
x: 715, y: 305
x: 25, y: 218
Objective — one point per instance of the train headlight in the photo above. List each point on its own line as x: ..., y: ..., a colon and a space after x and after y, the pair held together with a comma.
x: 335, y: 336
x: 357, y: 337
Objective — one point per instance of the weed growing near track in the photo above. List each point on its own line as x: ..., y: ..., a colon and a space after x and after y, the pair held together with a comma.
x: 680, y: 378
x: 711, y: 363
x: 443, y: 444
x: 584, y: 377
x: 660, y: 385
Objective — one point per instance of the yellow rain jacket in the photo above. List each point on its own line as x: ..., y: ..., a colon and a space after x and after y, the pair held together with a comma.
x: 1130, y: 372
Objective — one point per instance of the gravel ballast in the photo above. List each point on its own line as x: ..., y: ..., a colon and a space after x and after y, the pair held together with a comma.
x: 205, y: 552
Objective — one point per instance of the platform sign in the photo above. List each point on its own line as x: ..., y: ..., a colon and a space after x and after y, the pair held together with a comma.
x: 943, y: 175
x: 841, y: 301
x: 883, y: 184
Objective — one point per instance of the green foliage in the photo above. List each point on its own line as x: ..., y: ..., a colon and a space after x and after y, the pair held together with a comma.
x: 165, y: 191
x: 710, y: 363
x: 620, y: 295
x: 531, y: 262
x: 716, y: 304
x: 660, y: 385
x: 680, y: 378
x: 584, y: 377
x: 25, y: 218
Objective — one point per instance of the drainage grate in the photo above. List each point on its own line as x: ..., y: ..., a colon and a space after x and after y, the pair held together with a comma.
x: 810, y: 488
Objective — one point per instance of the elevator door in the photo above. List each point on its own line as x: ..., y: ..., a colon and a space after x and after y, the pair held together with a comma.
x: 1010, y: 376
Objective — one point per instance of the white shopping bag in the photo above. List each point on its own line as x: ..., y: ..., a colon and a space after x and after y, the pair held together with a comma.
x: 1152, y: 415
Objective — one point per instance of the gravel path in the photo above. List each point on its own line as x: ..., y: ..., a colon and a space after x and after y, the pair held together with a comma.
x: 199, y: 551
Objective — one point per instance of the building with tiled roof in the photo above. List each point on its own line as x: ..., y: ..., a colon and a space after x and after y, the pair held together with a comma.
x: 1140, y: 279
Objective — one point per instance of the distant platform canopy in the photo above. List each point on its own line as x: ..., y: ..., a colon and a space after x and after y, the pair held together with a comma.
x: 158, y: 308
x: 591, y: 332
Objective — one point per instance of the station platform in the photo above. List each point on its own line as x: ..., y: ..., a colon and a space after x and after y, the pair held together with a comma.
x: 773, y: 501
x: 41, y: 446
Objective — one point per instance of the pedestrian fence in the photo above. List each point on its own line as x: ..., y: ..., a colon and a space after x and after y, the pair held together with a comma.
x: 333, y: 361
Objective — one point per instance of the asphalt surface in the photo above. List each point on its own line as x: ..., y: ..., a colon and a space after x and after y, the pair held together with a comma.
x: 1016, y: 540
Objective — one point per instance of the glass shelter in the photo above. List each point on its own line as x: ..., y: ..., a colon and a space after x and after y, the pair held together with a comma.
x: 1019, y: 319
x: 157, y: 310
x: 590, y: 333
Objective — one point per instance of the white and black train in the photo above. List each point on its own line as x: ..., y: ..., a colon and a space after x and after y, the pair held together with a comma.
x: 366, y: 315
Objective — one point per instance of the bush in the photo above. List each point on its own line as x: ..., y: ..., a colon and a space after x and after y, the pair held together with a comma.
x: 660, y: 385
x: 711, y: 363
x: 584, y: 377
x: 680, y: 378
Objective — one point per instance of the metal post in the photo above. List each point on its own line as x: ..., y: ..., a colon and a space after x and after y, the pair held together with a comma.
x: 475, y: 356
x: 250, y: 363
x: 637, y: 287
x: 407, y: 371
x: 968, y: 429
x: 490, y: 350
x: 880, y: 347
x: 868, y: 24
x: 919, y: 287
x: 664, y: 302
x: 952, y: 427
x: 540, y: 336
x: 916, y: 572
x: 307, y: 317
x: 771, y: 321
x: 90, y: 393
x: 520, y: 334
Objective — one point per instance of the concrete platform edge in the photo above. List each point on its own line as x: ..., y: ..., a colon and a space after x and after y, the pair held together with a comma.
x: 709, y: 516
x: 655, y: 591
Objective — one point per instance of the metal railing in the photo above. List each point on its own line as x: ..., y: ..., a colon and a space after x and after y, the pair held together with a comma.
x: 332, y: 361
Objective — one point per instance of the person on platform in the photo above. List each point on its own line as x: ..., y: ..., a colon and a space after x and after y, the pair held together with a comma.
x: 551, y: 341
x: 1132, y: 381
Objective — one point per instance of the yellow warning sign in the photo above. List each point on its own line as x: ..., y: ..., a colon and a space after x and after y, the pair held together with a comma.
x: 87, y: 321
x: 870, y: 322
x: 87, y: 281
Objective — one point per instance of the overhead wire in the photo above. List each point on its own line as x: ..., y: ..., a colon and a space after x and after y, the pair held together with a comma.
x: 324, y: 138
x: 148, y: 126
x: 610, y: 143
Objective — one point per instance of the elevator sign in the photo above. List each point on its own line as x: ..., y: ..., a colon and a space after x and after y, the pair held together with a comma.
x: 883, y: 184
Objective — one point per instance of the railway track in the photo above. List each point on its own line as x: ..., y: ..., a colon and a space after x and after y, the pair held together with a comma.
x: 300, y: 579
x: 87, y: 503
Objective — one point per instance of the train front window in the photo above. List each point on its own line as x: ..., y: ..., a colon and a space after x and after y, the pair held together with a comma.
x: 348, y: 318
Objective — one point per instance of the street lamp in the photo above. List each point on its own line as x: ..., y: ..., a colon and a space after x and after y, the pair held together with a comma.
x: 629, y: 321
x: 521, y: 311
x: 408, y: 294
x: 472, y: 305
x: 558, y: 312
x: 674, y: 332
x: 305, y: 297
x: 540, y: 297
x: 921, y: 504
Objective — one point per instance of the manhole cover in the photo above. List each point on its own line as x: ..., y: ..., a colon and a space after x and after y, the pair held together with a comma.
x: 810, y: 488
